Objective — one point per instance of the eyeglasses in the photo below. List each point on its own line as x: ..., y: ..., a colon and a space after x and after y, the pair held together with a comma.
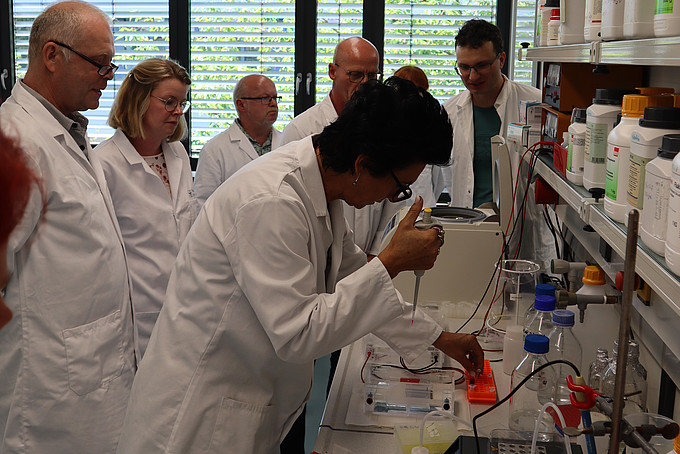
x: 102, y: 70
x: 171, y: 104
x: 357, y: 76
x: 265, y: 99
x: 480, y: 68
x: 404, y: 192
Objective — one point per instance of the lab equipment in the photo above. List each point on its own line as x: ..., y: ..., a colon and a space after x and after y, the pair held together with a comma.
x: 593, y: 20
x: 667, y: 18
x: 541, y: 289
x: 576, y: 147
x: 541, y: 323
x: 482, y: 388
x: 635, y: 391
x: 563, y: 345
x: 638, y: 19
x: 518, y: 280
x: 672, y: 251
x: 513, y: 347
x: 527, y: 401
x: 654, y: 217
x: 600, y: 120
x: 425, y: 223
x: 612, y: 20
x: 474, y: 240
x: 645, y: 141
x: 597, y: 369
x: 572, y: 17
x: 618, y: 151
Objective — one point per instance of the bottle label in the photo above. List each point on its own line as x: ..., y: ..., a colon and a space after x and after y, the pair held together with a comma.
x: 673, y: 232
x: 612, y: 175
x: 596, y: 142
x: 654, y: 215
x: 636, y: 180
x: 664, y: 7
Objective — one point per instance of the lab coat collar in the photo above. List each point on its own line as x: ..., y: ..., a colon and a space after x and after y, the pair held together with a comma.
x: 311, y: 176
x: 236, y: 134
x: 466, y: 97
x: 172, y: 160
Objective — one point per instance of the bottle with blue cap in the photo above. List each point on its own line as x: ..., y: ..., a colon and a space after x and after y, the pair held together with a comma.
x: 564, y: 345
x: 541, y: 289
x: 526, y: 403
x: 541, y: 322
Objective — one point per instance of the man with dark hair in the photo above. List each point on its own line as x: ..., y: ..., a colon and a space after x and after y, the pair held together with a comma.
x: 484, y: 110
x: 269, y: 279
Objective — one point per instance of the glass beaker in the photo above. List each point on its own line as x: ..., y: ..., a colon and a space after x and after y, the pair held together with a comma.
x: 518, y: 287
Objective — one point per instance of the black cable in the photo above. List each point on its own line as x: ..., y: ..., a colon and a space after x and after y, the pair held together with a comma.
x: 514, y: 390
x: 551, y: 227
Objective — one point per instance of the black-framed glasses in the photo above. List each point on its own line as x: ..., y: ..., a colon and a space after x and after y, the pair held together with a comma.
x: 404, y: 192
x: 480, y: 68
x: 102, y: 70
x: 265, y: 99
x: 357, y: 76
x: 171, y: 104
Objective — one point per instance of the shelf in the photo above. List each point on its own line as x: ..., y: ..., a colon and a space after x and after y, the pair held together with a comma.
x: 650, y: 266
x: 646, y: 52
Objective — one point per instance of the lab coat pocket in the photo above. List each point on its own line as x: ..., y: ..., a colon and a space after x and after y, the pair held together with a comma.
x: 243, y: 427
x: 94, y: 353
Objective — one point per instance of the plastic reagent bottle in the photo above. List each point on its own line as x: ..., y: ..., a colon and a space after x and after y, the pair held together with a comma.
x: 600, y: 120
x: 672, y: 252
x: 541, y: 323
x: 645, y: 141
x: 654, y: 217
x: 618, y: 152
x: 577, y: 145
x: 636, y: 380
x: 527, y: 401
x: 563, y: 345
x: 597, y: 369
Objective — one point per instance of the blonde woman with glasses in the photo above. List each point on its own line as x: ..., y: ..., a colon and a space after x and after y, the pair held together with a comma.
x: 149, y: 176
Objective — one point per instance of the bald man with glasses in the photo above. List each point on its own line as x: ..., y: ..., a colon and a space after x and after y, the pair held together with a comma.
x: 251, y: 135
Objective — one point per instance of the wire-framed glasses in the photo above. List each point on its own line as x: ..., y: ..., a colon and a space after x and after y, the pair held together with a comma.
x: 102, y: 70
x: 404, y: 192
x: 357, y: 76
x: 264, y: 99
x: 171, y: 104
x: 480, y: 68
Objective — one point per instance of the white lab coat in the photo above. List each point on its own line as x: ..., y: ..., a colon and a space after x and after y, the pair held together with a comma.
x: 537, y: 242
x: 223, y: 155
x: 66, y: 358
x: 367, y: 223
x: 153, y: 224
x: 460, y: 113
x: 267, y: 280
x: 429, y: 185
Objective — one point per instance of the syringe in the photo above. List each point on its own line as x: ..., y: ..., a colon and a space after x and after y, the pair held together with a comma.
x: 424, y: 224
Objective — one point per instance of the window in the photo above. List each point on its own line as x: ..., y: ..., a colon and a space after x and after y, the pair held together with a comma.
x: 230, y: 39
x: 335, y: 21
x: 139, y: 32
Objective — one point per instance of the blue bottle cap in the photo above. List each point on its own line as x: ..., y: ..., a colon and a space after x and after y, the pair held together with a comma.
x: 545, y: 289
x: 563, y: 317
x: 536, y: 343
x: 544, y: 303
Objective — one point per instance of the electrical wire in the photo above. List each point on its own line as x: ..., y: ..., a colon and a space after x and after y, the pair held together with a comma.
x: 514, y: 390
x: 368, y: 355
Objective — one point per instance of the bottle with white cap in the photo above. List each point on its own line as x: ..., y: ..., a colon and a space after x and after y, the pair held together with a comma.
x: 645, y: 141
x: 672, y: 252
x: 593, y: 20
x: 564, y: 345
x: 654, y: 217
x: 612, y: 20
x: 576, y: 147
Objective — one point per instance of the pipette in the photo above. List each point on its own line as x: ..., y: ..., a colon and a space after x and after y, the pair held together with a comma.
x: 424, y: 224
